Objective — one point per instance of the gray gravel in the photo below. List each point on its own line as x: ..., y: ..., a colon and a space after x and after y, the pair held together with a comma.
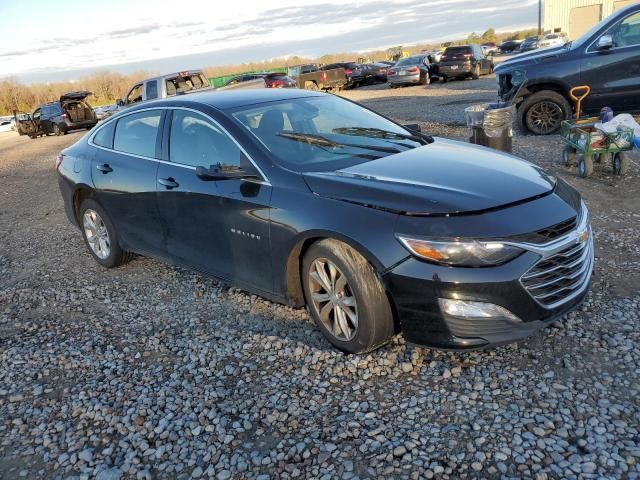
x: 150, y: 371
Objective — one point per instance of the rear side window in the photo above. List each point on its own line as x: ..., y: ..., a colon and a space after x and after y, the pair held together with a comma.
x: 104, y: 136
x: 198, y: 142
x: 152, y: 90
x: 137, y: 133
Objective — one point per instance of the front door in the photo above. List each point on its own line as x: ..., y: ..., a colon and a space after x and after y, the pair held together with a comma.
x: 24, y: 123
x: 219, y: 227
x: 124, y: 174
x: 614, y: 74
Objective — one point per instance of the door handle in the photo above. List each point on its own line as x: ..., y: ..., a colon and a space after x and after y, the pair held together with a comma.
x: 168, y: 182
x: 104, y: 168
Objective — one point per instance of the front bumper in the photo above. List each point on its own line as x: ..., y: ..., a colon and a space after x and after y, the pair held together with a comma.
x: 404, y: 79
x: 415, y: 287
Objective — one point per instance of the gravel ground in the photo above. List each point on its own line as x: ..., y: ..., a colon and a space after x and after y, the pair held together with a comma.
x: 150, y: 371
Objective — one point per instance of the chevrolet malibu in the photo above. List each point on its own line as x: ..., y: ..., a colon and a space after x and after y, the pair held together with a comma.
x: 308, y: 199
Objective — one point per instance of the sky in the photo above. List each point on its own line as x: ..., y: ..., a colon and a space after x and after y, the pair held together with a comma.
x: 63, y: 40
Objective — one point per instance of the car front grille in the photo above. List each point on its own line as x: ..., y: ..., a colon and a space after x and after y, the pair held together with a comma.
x: 558, y: 278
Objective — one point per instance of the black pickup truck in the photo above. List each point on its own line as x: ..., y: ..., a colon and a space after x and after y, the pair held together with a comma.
x: 312, y: 77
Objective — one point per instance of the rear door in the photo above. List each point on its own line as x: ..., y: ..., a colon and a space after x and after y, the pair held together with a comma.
x: 219, y: 227
x: 124, y: 175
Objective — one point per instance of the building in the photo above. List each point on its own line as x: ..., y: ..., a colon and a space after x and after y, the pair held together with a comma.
x: 574, y: 17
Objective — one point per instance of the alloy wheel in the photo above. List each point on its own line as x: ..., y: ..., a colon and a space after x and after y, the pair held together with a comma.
x: 333, y: 299
x: 544, y: 117
x: 96, y: 233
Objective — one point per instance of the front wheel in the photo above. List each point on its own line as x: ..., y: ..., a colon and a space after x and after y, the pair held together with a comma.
x: 585, y: 165
x: 543, y: 112
x: 345, y: 297
x: 100, y: 235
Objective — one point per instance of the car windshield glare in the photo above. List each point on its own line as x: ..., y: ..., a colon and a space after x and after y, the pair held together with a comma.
x: 323, y: 133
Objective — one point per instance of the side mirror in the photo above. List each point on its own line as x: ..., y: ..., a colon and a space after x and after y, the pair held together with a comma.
x: 605, y: 42
x: 120, y: 102
x: 224, y: 172
x: 414, y: 127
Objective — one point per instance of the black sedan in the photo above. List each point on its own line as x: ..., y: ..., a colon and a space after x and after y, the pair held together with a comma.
x: 307, y: 198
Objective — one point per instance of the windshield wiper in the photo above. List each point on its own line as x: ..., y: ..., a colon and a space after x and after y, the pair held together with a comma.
x: 384, y: 134
x: 326, y: 142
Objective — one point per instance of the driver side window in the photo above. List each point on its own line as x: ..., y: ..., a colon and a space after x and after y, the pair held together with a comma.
x: 135, y: 95
x: 627, y: 33
x: 197, y: 142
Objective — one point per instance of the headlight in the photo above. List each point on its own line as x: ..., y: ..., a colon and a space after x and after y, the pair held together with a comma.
x: 518, y: 77
x: 461, y: 253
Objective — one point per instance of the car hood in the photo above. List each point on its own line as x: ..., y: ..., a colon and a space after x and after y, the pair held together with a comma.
x: 533, y: 57
x: 79, y: 95
x: 442, y: 178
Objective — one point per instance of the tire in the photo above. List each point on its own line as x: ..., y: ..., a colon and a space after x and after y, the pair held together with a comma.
x: 568, y: 156
x: 57, y: 131
x: 543, y: 112
x: 443, y: 79
x: 585, y: 166
x: 367, y: 299
x: 426, y: 80
x: 476, y: 72
x: 106, y: 250
x: 620, y: 163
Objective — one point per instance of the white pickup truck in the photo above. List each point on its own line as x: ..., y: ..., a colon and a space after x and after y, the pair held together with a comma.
x: 174, y: 84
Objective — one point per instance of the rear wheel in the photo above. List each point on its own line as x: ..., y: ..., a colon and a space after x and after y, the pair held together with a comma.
x: 568, y: 156
x: 443, y: 79
x: 543, y: 112
x: 425, y: 80
x: 57, y: 131
x: 476, y: 72
x: 620, y: 163
x: 585, y: 165
x: 100, y: 235
x: 345, y: 297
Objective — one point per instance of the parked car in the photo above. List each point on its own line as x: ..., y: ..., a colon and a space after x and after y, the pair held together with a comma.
x: 530, y: 43
x: 308, y: 198
x: 553, y: 40
x: 380, y: 71
x: 105, y: 111
x: 413, y: 70
x: 490, y: 47
x: 70, y: 112
x: 352, y: 70
x: 173, y: 84
x: 463, y: 62
x: 368, y: 73
x: 539, y: 81
x: 6, y: 124
x: 509, y: 46
x: 312, y: 77
x: 271, y: 80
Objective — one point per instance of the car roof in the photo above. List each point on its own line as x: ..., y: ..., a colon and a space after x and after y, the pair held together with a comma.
x: 234, y: 98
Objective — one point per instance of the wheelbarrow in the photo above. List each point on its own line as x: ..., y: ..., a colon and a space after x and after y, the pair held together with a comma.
x: 591, y: 145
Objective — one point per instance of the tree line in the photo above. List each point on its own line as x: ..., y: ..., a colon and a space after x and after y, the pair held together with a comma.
x: 108, y: 86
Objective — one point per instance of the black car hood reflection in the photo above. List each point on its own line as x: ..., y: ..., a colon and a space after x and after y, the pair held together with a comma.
x: 443, y: 178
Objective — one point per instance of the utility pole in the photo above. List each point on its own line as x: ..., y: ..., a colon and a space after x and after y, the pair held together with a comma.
x: 539, y: 18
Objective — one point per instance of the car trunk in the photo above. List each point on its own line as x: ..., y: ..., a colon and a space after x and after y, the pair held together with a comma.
x: 78, y: 111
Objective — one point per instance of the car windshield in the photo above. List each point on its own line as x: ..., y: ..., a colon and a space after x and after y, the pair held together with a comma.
x: 577, y: 43
x: 323, y: 133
